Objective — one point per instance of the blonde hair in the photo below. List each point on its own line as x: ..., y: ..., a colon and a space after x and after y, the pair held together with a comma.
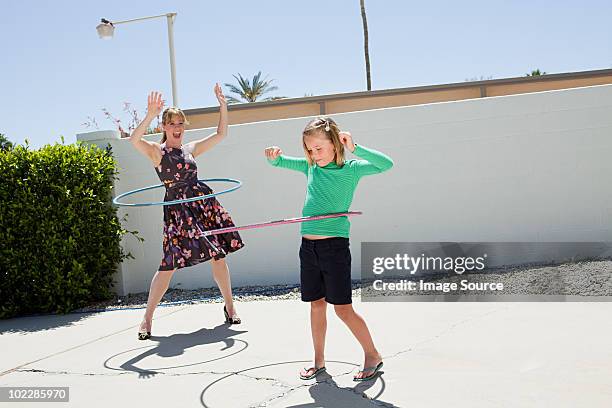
x: 327, y: 128
x: 169, y: 114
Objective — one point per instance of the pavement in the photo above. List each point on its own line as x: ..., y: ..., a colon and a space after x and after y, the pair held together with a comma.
x: 436, y: 354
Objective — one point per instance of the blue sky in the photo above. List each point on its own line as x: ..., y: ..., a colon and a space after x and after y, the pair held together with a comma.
x: 56, y: 71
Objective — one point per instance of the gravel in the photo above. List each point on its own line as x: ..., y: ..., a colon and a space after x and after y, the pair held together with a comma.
x: 588, y: 278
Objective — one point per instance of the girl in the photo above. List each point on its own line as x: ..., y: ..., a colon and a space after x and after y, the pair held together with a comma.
x: 325, y: 258
x: 183, y: 243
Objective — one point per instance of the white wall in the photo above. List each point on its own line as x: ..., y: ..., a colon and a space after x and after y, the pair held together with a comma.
x: 531, y: 167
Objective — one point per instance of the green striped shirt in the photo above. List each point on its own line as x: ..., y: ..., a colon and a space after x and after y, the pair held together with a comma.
x: 330, y: 189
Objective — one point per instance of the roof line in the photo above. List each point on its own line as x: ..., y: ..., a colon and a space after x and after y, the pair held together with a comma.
x: 397, y: 91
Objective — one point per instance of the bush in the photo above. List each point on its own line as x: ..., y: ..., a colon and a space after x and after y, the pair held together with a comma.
x: 59, y: 234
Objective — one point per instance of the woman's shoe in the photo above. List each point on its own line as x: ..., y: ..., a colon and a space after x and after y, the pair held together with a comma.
x: 229, y: 319
x: 144, y: 335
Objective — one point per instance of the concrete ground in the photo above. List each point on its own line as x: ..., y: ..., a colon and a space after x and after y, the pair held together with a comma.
x: 436, y: 355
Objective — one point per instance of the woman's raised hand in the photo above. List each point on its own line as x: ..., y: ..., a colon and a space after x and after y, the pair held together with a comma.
x: 155, y: 104
x: 219, y: 95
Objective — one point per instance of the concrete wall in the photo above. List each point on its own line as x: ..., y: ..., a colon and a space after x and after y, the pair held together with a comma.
x: 529, y: 167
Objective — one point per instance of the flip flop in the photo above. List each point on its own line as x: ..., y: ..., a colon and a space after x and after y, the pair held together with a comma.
x: 366, y: 369
x: 317, y: 371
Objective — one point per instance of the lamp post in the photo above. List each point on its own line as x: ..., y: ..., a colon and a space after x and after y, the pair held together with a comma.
x: 106, y: 29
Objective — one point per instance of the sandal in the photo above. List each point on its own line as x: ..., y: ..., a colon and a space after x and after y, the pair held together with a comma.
x: 230, y: 320
x: 374, y: 371
x: 317, y: 371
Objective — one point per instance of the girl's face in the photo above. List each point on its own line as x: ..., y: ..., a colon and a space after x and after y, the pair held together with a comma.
x: 320, y: 148
x: 174, y: 131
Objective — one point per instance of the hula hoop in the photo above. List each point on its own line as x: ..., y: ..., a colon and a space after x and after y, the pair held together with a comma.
x: 280, y: 222
x: 184, y: 200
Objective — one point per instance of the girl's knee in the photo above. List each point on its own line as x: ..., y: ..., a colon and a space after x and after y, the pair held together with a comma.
x: 320, y: 304
x: 344, y: 311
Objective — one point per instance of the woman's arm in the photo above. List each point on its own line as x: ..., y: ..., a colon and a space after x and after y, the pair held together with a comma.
x: 150, y: 149
x: 200, y: 146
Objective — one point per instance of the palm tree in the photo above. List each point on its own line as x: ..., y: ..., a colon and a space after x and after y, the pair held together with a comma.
x: 5, y: 144
x: 536, y: 73
x: 365, y: 44
x: 251, y: 91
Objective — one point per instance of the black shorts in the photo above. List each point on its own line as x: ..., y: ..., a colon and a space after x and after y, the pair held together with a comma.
x: 325, y: 270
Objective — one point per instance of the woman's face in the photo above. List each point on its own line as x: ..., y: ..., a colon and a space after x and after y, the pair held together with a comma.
x: 320, y: 148
x: 175, y: 129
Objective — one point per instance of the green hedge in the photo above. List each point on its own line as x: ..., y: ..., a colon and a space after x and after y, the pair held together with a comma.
x: 59, y: 234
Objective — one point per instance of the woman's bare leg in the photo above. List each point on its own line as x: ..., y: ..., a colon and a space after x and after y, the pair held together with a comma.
x: 221, y: 274
x: 159, y: 286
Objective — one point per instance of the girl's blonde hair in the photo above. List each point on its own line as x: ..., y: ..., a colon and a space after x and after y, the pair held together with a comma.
x: 327, y: 128
x: 168, y: 115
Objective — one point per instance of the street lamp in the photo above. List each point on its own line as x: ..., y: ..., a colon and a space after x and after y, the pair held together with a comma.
x: 107, y: 28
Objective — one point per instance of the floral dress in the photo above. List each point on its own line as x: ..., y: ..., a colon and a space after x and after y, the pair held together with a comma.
x: 184, y: 245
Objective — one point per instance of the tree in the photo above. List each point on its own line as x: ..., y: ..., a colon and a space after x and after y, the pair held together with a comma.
x: 536, y: 73
x: 5, y: 144
x: 247, y: 91
x: 365, y: 44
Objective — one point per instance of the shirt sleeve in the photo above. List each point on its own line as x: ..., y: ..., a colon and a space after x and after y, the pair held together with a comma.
x: 373, y: 162
x: 291, y: 163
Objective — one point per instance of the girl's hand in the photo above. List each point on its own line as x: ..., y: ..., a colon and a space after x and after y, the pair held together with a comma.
x: 347, y: 140
x: 273, y: 152
x: 220, y: 96
x: 155, y: 104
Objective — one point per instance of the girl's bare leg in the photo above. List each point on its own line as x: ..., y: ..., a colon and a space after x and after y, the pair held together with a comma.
x: 360, y: 330
x: 318, y: 329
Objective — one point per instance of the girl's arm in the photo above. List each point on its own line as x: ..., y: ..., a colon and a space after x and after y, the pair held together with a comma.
x: 375, y: 162
x: 150, y: 149
x: 275, y: 157
x: 200, y: 146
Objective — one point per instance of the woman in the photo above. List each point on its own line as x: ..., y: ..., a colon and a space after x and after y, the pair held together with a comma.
x: 183, y: 243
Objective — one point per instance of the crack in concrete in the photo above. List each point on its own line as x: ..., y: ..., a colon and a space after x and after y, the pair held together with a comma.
x: 398, y: 353
x: 294, y: 388
x: 278, y: 396
x: 289, y: 389
x: 390, y: 356
x: 276, y: 381
x: 39, y: 371
x: 454, y: 325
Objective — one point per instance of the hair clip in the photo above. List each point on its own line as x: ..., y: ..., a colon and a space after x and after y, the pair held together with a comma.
x: 326, y: 126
